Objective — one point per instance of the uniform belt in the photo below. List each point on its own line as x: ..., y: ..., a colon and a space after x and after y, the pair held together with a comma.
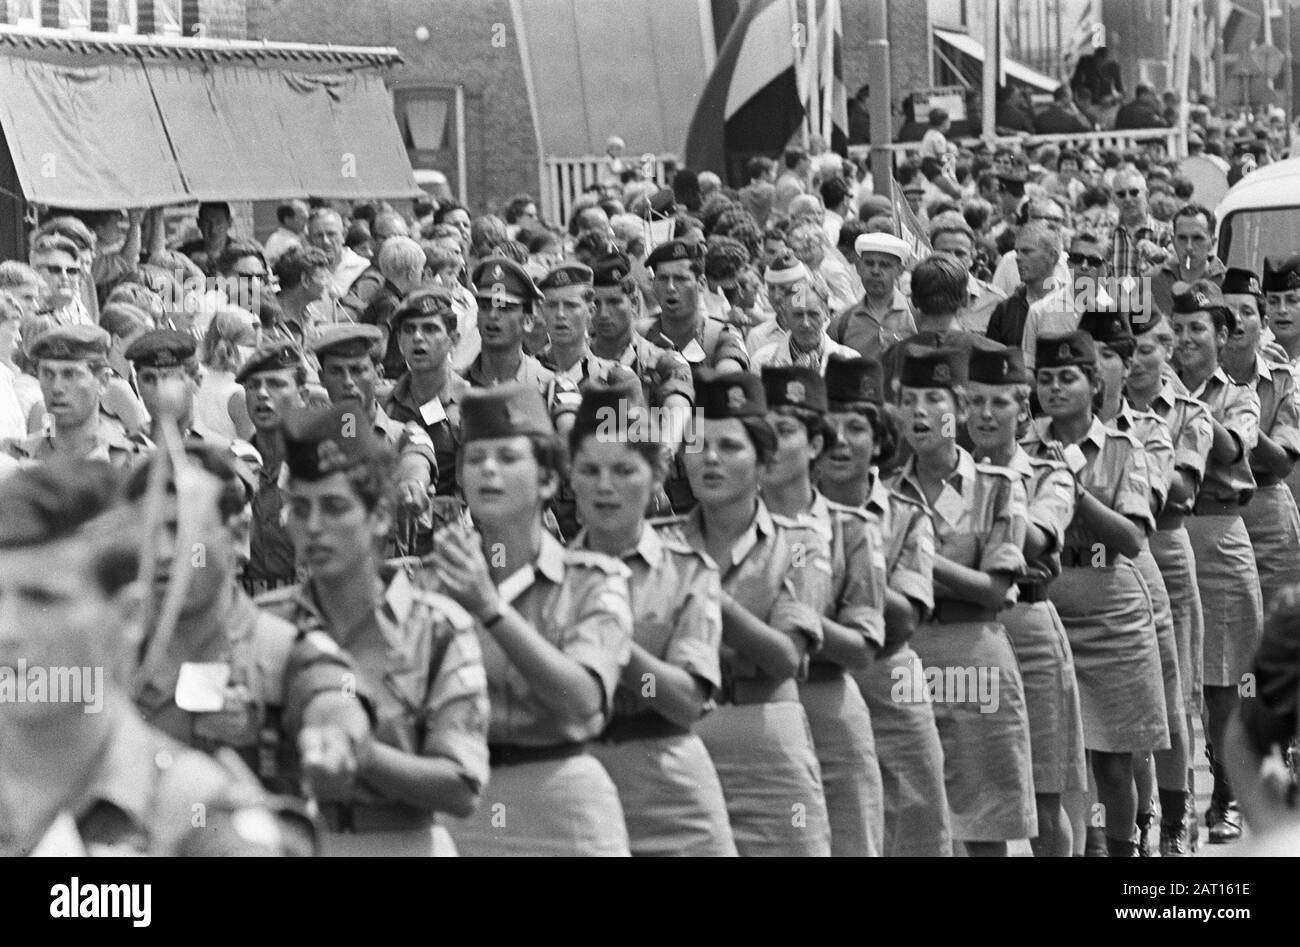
x: 505, y: 754
x: 1266, y: 479
x: 952, y: 609
x: 1031, y: 592
x: 822, y: 672
x: 1082, y: 556
x: 360, y: 818
x: 761, y: 691
x: 646, y: 725
x: 1208, y: 506
x: 1170, y: 520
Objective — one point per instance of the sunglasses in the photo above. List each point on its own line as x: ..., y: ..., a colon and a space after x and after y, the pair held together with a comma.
x: 1134, y: 192
x: 61, y: 270
x: 1083, y: 259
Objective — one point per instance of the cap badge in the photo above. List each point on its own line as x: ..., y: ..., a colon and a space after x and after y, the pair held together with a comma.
x: 1064, y: 353
x: 942, y: 373
x: 794, y: 391
x: 1293, y: 279
x: 330, y: 457
x: 1202, y: 300
x: 735, y: 398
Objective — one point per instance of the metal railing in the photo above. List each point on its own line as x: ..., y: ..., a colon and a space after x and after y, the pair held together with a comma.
x: 564, y: 180
x: 1174, y: 139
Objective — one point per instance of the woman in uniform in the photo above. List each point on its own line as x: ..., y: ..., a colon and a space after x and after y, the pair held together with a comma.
x: 853, y: 619
x: 415, y: 651
x: 1281, y: 285
x: 670, y: 792
x: 999, y: 408
x: 979, y: 516
x: 556, y: 632
x: 1101, y: 597
x: 907, y: 741
x: 776, y: 576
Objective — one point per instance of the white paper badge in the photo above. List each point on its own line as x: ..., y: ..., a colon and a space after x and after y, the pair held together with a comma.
x: 400, y: 597
x: 61, y: 839
x: 694, y: 352
x: 950, y: 505
x: 1074, y: 458
x: 432, y: 411
x: 201, y: 688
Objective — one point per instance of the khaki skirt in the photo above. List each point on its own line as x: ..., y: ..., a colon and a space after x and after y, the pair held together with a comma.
x: 1273, y: 524
x: 1172, y: 550
x: 1051, y: 696
x: 1106, y: 611
x: 846, y: 751
x: 1231, y: 604
x: 979, y: 709
x: 552, y: 807
x: 911, y: 757
x: 1167, y: 642
x: 672, y: 799
x: 773, y: 786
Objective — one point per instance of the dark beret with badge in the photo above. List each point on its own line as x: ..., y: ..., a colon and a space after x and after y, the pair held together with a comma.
x: 671, y: 251
x: 162, y: 348
x: 503, y: 411
x: 932, y: 368
x: 794, y: 386
x: 501, y: 278
x: 568, y: 273
x: 348, y: 340
x: 1073, y: 348
x: 426, y: 301
x: 278, y: 356
x: 1000, y: 366
x: 854, y: 379
x: 1281, y: 274
x: 610, y: 270
x: 1013, y: 182
x: 615, y: 401
x: 1242, y: 282
x: 323, y: 441
x: 70, y: 344
x: 1107, y: 327
x: 1201, y: 296
x: 729, y: 395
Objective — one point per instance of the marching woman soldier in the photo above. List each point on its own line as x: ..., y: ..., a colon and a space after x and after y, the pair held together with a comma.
x: 907, y: 740
x: 999, y: 406
x: 979, y: 518
x: 1271, y: 518
x: 1149, y: 388
x: 853, y: 621
x: 1225, y: 562
x: 669, y: 789
x: 1281, y: 285
x: 1115, y: 346
x: 1101, y: 597
x: 556, y: 631
x: 417, y: 658
x: 776, y: 577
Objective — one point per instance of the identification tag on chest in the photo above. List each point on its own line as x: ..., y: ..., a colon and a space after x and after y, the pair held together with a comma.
x: 432, y: 411
x: 1074, y: 458
x: 201, y: 688
x: 950, y: 506
x: 400, y: 597
x: 694, y: 352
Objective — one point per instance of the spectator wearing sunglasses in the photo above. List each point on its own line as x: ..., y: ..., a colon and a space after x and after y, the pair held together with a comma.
x: 1089, y: 262
x: 1139, y: 240
x: 56, y: 261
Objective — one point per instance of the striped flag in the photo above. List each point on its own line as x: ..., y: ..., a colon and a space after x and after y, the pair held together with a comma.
x: 751, y: 103
x: 834, y: 99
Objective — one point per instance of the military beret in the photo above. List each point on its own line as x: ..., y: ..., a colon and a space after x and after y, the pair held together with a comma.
x: 672, y: 250
x: 1106, y: 327
x: 794, y: 386
x: 1073, y: 348
x: 426, y: 301
x: 1241, y: 282
x: 568, y: 273
x: 499, y: 277
x: 729, y: 395
x: 503, y: 411
x: 1281, y: 274
x: 322, y: 441
x: 1153, y: 319
x: 1200, y: 296
x: 663, y: 201
x: 610, y: 405
x: 931, y: 368
x: 854, y: 379
x: 54, y: 500
x: 347, y: 340
x: 276, y: 356
x: 71, y: 344
x: 610, y: 270
x: 1004, y: 366
x: 161, y: 348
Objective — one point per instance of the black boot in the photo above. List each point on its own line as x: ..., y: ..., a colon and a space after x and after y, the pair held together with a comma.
x: 1223, y: 818
x: 1144, y: 821
x: 1095, y: 847
x: 1121, y: 847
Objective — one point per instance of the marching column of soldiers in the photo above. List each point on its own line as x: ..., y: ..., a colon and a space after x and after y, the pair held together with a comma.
x: 631, y: 592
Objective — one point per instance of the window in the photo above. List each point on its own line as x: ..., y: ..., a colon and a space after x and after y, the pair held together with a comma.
x: 424, y: 117
x: 1248, y: 236
x: 23, y: 12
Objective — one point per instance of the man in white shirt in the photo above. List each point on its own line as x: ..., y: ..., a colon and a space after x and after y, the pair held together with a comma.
x: 325, y: 231
x: 1052, y: 309
x: 292, y: 216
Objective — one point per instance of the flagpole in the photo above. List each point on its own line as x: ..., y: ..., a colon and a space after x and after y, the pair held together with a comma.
x: 799, y: 83
x: 882, y: 98
x: 829, y: 29
x: 992, y: 53
x: 812, y: 107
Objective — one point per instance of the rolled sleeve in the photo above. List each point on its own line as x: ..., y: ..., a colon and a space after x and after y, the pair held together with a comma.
x: 1286, y: 420
x: 913, y: 573
x: 317, y: 665
x: 598, y: 634
x: 697, y: 632
x: 861, y: 600
x: 1133, y: 488
x: 1052, y: 506
x: 456, y: 709
x: 1195, y: 439
x: 1004, y: 547
x: 1241, y: 416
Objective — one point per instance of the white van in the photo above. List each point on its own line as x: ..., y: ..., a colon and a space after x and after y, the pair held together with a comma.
x: 1260, y: 216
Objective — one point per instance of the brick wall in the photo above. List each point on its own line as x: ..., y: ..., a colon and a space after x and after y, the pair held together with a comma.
x: 501, y: 149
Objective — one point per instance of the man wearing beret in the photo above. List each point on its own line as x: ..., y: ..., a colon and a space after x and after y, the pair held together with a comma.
x: 347, y: 354
x: 274, y: 380
x: 507, y: 300
x: 158, y: 356
x: 72, y: 368
x: 567, y: 298
x: 429, y: 392
x: 884, y: 316
x: 682, y: 324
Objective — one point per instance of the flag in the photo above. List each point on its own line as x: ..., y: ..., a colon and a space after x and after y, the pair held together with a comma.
x: 909, y: 227
x: 751, y: 103
x: 834, y: 99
